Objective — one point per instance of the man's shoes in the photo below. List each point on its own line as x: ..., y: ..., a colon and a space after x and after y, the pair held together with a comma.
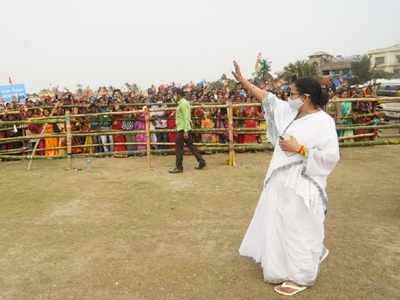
x: 175, y: 171
x: 201, y: 165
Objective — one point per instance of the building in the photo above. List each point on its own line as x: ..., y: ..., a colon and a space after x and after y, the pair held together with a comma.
x: 320, y: 58
x: 334, y: 66
x: 386, y: 59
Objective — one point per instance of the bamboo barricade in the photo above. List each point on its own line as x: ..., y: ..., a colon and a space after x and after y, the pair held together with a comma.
x: 141, y: 105
x: 366, y: 99
x: 194, y: 106
x: 230, y: 147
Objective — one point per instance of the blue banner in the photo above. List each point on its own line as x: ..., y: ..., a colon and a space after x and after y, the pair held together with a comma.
x: 8, y: 92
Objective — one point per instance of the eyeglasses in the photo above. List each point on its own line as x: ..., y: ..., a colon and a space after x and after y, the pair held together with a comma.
x: 298, y: 94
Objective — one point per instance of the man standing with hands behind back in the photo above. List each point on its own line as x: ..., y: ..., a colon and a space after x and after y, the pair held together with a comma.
x: 183, y: 134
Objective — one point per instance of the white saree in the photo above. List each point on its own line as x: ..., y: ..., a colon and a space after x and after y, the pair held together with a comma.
x: 286, y: 233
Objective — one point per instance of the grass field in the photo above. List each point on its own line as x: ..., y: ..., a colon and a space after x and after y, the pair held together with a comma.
x: 116, y: 230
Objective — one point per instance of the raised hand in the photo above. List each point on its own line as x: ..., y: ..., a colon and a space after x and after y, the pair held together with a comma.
x: 276, y: 83
x: 237, y: 73
x: 250, y: 88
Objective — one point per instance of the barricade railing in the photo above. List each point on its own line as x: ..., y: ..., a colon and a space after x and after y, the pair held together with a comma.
x: 65, y: 147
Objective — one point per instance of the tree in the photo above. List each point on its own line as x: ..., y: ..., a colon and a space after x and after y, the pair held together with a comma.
x: 379, y: 74
x: 223, y: 77
x: 361, y: 70
x: 262, y: 69
x: 79, y: 89
x: 216, y: 85
x: 299, y: 69
x: 132, y: 87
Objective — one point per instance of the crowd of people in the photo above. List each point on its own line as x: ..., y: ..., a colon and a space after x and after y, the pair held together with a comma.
x: 107, y: 99
x: 357, y: 113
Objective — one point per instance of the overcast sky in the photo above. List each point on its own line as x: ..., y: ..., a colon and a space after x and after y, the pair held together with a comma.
x: 110, y: 42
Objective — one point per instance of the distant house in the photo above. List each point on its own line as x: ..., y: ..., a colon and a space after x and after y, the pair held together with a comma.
x: 320, y: 58
x: 386, y: 59
x: 334, y: 66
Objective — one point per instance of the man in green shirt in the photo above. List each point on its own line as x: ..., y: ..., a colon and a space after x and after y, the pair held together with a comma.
x: 183, y: 134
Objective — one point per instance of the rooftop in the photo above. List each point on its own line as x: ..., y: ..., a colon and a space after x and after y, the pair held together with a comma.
x: 320, y: 53
x: 387, y: 49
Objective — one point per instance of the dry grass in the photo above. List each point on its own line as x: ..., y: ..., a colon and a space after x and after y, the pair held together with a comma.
x: 120, y: 231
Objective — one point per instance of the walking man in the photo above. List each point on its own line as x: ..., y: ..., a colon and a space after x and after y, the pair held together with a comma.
x: 183, y: 134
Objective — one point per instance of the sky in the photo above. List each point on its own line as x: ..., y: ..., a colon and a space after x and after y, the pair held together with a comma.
x: 110, y: 42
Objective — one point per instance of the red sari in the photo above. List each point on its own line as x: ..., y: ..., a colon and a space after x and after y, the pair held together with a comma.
x: 250, y: 138
x: 118, y: 138
x: 171, y: 124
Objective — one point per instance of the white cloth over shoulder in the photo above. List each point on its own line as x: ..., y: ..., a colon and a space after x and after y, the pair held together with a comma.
x: 286, y: 232
x: 276, y: 112
x: 316, y: 131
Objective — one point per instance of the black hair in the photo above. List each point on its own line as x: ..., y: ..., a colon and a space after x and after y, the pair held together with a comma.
x: 180, y: 92
x: 310, y: 86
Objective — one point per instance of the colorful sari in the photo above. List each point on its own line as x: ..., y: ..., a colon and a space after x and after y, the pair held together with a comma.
x: 345, y: 111
x: 50, y: 142
x: 208, y: 137
x: 119, y: 139
x: 140, y: 137
x: 171, y: 124
x: 249, y: 123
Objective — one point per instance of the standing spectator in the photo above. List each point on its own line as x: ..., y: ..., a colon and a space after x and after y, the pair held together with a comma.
x: 171, y: 124
x: 128, y: 125
x: 140, y: 137
x: 207, y: 123
x: 221, y: 122
x: 250, y: 122
x: 183, y: 136
x: 161, y: 123
x: 105, y: 124
x: 119, y: 139
x: 50, y: 142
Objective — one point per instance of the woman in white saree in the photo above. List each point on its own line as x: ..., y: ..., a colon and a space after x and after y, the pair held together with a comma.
x: 286, y: 233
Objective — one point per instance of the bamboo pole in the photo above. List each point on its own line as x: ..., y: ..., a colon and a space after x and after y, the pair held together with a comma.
x: 200, y: 144
x: 386, y: 126
x: 386, y: 136
x: 29, y: 137
x: 231, y: 155
x: 68, y: 139
x: 148, y: 137
x: 24, y: 150
x: 16, y: 151
x: 350, y: 137
x: 371, y: 143
x: 369, y: 99
x: 12, y: 128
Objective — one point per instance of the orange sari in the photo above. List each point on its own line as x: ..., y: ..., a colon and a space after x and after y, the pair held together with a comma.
x: 50, y: 142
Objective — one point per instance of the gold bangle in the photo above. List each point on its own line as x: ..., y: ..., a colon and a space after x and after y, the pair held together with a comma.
x: 300, y: 149
x: 305, y: 152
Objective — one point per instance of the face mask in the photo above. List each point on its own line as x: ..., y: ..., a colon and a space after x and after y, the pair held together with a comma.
x: 295, y: 103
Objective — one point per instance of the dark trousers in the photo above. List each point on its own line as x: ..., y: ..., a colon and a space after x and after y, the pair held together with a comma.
x: 180, y: 143
x: 162, y: 137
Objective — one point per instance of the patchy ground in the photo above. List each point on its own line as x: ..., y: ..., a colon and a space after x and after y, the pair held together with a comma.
x: 116, y: 230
